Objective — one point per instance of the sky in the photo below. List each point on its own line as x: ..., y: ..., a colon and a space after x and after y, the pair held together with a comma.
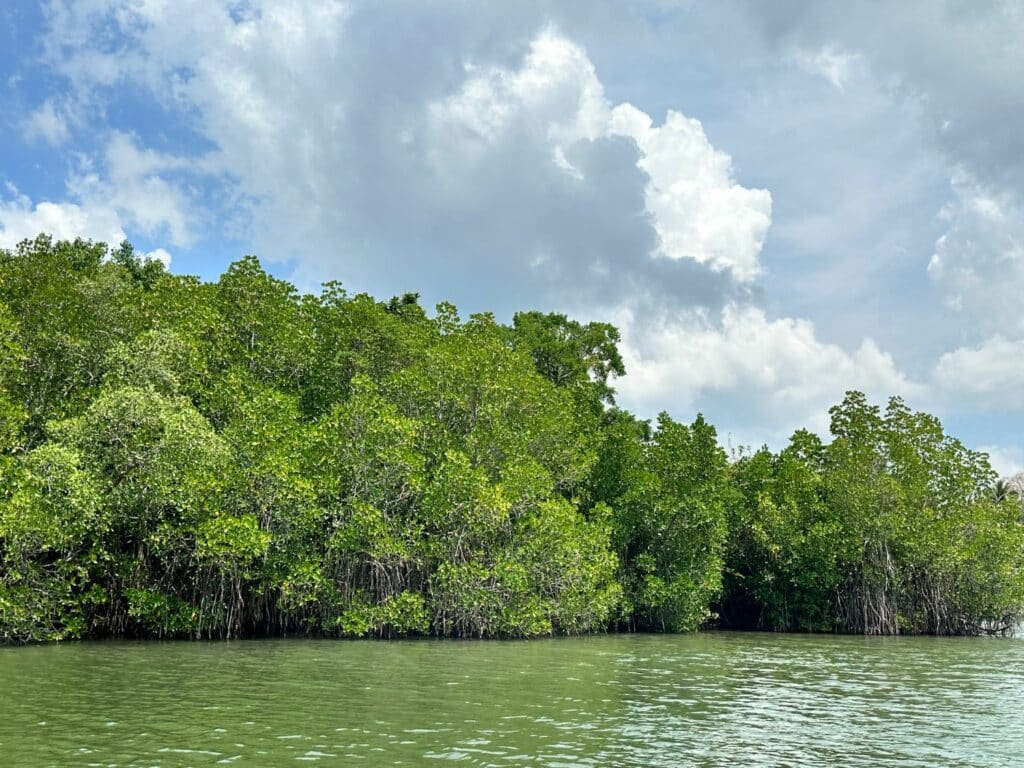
x: 774, y: 202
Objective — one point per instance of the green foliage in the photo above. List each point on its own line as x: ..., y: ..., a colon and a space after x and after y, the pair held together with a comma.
x: 12, y: 357
x: 890, y: 528
x: 569, y: 354
x: 162, y: 360
x: 486, y: 400
x: 670, y: 520
x: 183, y: 459
x: 401, y: 614
x: 787, y: 548
x: 71, y: 306
x: 50, y: 526
x: 160, y: 614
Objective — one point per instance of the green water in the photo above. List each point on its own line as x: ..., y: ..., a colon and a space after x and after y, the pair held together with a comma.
x: 703, y: 700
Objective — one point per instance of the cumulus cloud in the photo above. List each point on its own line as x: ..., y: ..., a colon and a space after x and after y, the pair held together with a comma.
x: 136, y: 182
x: 486, y: 164
x: 777, y: 368
x: 127, y: 188
x: 21, y: 219
x: 991, y: 373
x: 958, y: 65
x: 698, y: 211
x: 464, y: 162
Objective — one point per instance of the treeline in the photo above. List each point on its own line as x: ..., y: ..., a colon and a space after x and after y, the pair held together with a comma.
x: 187, y: 459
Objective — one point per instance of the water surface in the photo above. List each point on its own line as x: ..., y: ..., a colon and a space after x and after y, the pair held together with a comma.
x: 717, y: 699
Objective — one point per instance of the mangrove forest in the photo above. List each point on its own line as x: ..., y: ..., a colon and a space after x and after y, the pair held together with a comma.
x: 188, y: 459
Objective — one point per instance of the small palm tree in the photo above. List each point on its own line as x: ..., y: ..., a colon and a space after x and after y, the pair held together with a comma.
x: 1003, y: 490
x: 1010, y: 488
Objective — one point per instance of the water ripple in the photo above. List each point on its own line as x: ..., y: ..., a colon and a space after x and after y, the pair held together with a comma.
x: 704, y: 700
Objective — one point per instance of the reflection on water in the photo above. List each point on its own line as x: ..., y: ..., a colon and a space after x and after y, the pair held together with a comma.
x: 705, y: 700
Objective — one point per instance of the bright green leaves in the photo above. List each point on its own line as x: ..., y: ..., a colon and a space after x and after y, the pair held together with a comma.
x: 367, y: 450
x: 50, y: 528
x: 370, y: 476
x: 143, y: 270
x: 401, y: 614
x: 570, y: 565
x: 71, y: 307
x: 519, y: 564
x: 485, y: 400
x: 55, y: 506
x: 173, y: 527
x: 234, y: 541
x: 12, y: 413
x: 915, y: 499
x: 159, y: 456
x: 161, y: 614
x: 365, y: 531
x: 462, y: 511
x: 215, y: 460
x: 572, y: 355
x: 161, y: 360
x: 786, y: 546
x: 263, y: 327
x: 669, y: 518
x: 890, y: 528
x: 270, y: 482
x: 476, y: 599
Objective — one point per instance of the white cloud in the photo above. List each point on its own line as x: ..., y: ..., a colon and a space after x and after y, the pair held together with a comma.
x: 130, y: 188
x: 775, y: 368
x: 555, y: 92
x: 699, y: 212
x: 135, y: 181
x: 489, y: 167
x: 20, y: 219
x: 48, y: 123
x: 978, y: 263
x: 331, y: 139
x: 159, y: 254
x: 990, y: 374
x: 828, y: 62
x: 957, y: 66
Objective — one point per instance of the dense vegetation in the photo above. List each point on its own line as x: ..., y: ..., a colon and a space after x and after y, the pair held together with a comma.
x: 214, y: 460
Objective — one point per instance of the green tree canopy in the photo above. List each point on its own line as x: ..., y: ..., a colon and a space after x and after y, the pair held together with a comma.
x: 190, y: 459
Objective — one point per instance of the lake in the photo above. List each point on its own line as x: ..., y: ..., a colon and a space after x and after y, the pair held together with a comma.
x: 714, y: 699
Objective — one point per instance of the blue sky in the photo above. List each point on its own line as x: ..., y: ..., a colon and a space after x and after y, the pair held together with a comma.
x: 774, y: 201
